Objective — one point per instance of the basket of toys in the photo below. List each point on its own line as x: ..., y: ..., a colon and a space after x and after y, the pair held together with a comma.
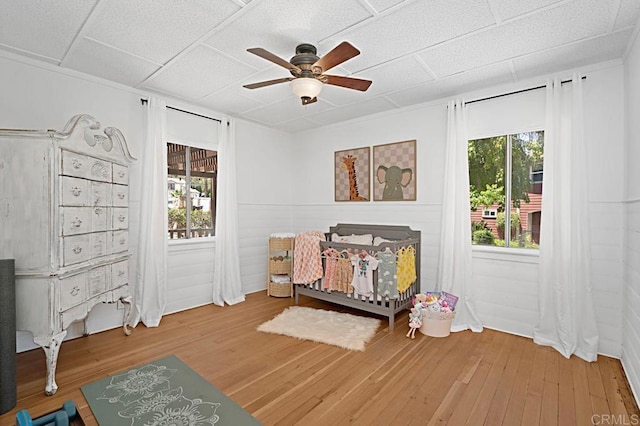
x: 438, y: 314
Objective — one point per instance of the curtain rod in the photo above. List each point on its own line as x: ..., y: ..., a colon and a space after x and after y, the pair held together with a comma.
x: 584, y: 77
x: 144, y: 101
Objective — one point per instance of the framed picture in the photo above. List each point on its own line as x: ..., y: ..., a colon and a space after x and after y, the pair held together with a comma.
x: 352, y: 170
x: 394, y: 168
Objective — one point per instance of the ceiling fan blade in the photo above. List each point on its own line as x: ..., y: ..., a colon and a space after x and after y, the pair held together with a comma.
x: 307, y: 101
x: 349, y: 82
x: 273, y: 58
x: 267, y: 83
x: 342, y: 52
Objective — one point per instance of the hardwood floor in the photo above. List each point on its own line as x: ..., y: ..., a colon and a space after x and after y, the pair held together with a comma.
x: 488, y: 378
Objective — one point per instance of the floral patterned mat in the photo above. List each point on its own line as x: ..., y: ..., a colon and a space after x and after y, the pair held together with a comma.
x: 163, y: 392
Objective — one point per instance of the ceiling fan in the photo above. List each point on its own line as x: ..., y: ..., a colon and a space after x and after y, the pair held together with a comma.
x: 308, y: 70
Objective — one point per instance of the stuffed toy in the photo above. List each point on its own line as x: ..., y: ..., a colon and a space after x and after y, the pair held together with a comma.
x: 415, y: 319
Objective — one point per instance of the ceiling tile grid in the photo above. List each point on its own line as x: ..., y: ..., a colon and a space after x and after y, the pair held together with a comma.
x: 413, y: 27
x: 92, y: 57
x: 413, y: 51
x: 551, y: 27
x: 573, y: 55
x: 31, y: 26
x: 158, y: 29
x: 198, y: 73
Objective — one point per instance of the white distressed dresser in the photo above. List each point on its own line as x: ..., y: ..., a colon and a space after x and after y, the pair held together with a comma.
x: 64, y: 218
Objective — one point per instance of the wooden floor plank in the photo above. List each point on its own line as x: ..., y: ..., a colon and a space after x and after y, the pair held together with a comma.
x: 467, y: 377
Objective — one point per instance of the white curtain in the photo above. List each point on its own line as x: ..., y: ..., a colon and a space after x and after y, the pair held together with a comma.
x: 454, y: 263
x: 150, y: 295
x: 227, y: 285
x: 567, y: 317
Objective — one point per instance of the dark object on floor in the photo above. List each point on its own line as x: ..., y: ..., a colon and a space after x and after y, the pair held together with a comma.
x: 57, y: 418
x: 8, y: 388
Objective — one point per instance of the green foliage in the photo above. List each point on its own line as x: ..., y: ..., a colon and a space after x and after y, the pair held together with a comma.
x: 487, y: 159
x: 479, y: 226
x: 200, y: 219
x: 177, y: 218
x: 514, y: 219
x: 483, y: 237
x: 493, y: 194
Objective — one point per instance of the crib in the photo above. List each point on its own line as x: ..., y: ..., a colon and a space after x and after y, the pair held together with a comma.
x: 399, y: 236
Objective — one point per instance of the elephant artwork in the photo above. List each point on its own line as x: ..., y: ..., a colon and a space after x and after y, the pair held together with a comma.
x: 394, y: 179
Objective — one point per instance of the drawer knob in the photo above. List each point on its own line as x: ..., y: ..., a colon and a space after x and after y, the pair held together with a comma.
x: 76, y: 223
x: 77, y: 249
x: 120, y: 273
x: 121, y: 174
x: 76, y: 191
x: 121, y: 218
x: 121, y: 195
x: 122, y: 241
x: 76, y: 163
x: 75, y: 290
x: 98, y: 211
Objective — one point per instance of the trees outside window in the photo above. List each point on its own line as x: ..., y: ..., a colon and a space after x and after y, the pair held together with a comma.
x: 506, y: 170
x: 191, y: 191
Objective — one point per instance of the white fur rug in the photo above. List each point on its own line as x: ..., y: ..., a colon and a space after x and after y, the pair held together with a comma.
x: 334, y: 328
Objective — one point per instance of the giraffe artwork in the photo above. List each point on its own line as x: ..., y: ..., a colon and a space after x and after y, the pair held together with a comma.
x: 349, y: 162
x: 352, y: 171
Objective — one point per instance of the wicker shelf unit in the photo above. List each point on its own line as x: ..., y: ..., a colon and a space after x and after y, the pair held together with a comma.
x: 280, y: 264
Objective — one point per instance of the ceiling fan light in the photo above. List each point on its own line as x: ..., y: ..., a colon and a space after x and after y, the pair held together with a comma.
x: 306, y: 87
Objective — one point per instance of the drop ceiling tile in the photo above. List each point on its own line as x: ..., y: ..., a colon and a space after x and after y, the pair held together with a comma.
x: 31, y: 26
x: 575, y: 55
x: 410, y: 28
x: 280, y: 25
x: 158, y: 29
x: 382, y: 5
x: 355, y: 110
x: 298, y: 125
x: 229, y: 102
x: 285, y: 110
x: 198, y: 73
x: 97, y: 59
x: 455, y: 85
x: 547, y: 29
x: 506, y: 9
x: 628, y: 14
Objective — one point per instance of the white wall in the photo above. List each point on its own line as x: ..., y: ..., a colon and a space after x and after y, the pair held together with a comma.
x: 40, y: 96
x: 631, y: 325
x: 505, y: 302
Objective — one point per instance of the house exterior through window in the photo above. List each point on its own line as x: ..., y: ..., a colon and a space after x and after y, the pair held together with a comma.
x: 191, y: 191
x: 506, y: 170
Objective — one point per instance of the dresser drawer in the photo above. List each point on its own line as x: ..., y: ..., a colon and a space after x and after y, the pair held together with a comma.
x: 99, y: 219
x: 71, y: 291
x: 119, y: 241
x: 74, y: 191
x: 119, y: 274
x: 97, y: 281
x: 120, y: 174
x: 76, y: 249
x: 75, y: 220
x: 120, y: 218
x: 100, y: 194
x: 75, y: 164
x: 120, y: 195
x: 99, y: 244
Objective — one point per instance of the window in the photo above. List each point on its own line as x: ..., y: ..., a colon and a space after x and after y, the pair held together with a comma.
x: 191, y: 191
x: 505, y: 171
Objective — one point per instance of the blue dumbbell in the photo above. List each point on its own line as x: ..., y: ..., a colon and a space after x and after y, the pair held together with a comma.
x: 57, y: 418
